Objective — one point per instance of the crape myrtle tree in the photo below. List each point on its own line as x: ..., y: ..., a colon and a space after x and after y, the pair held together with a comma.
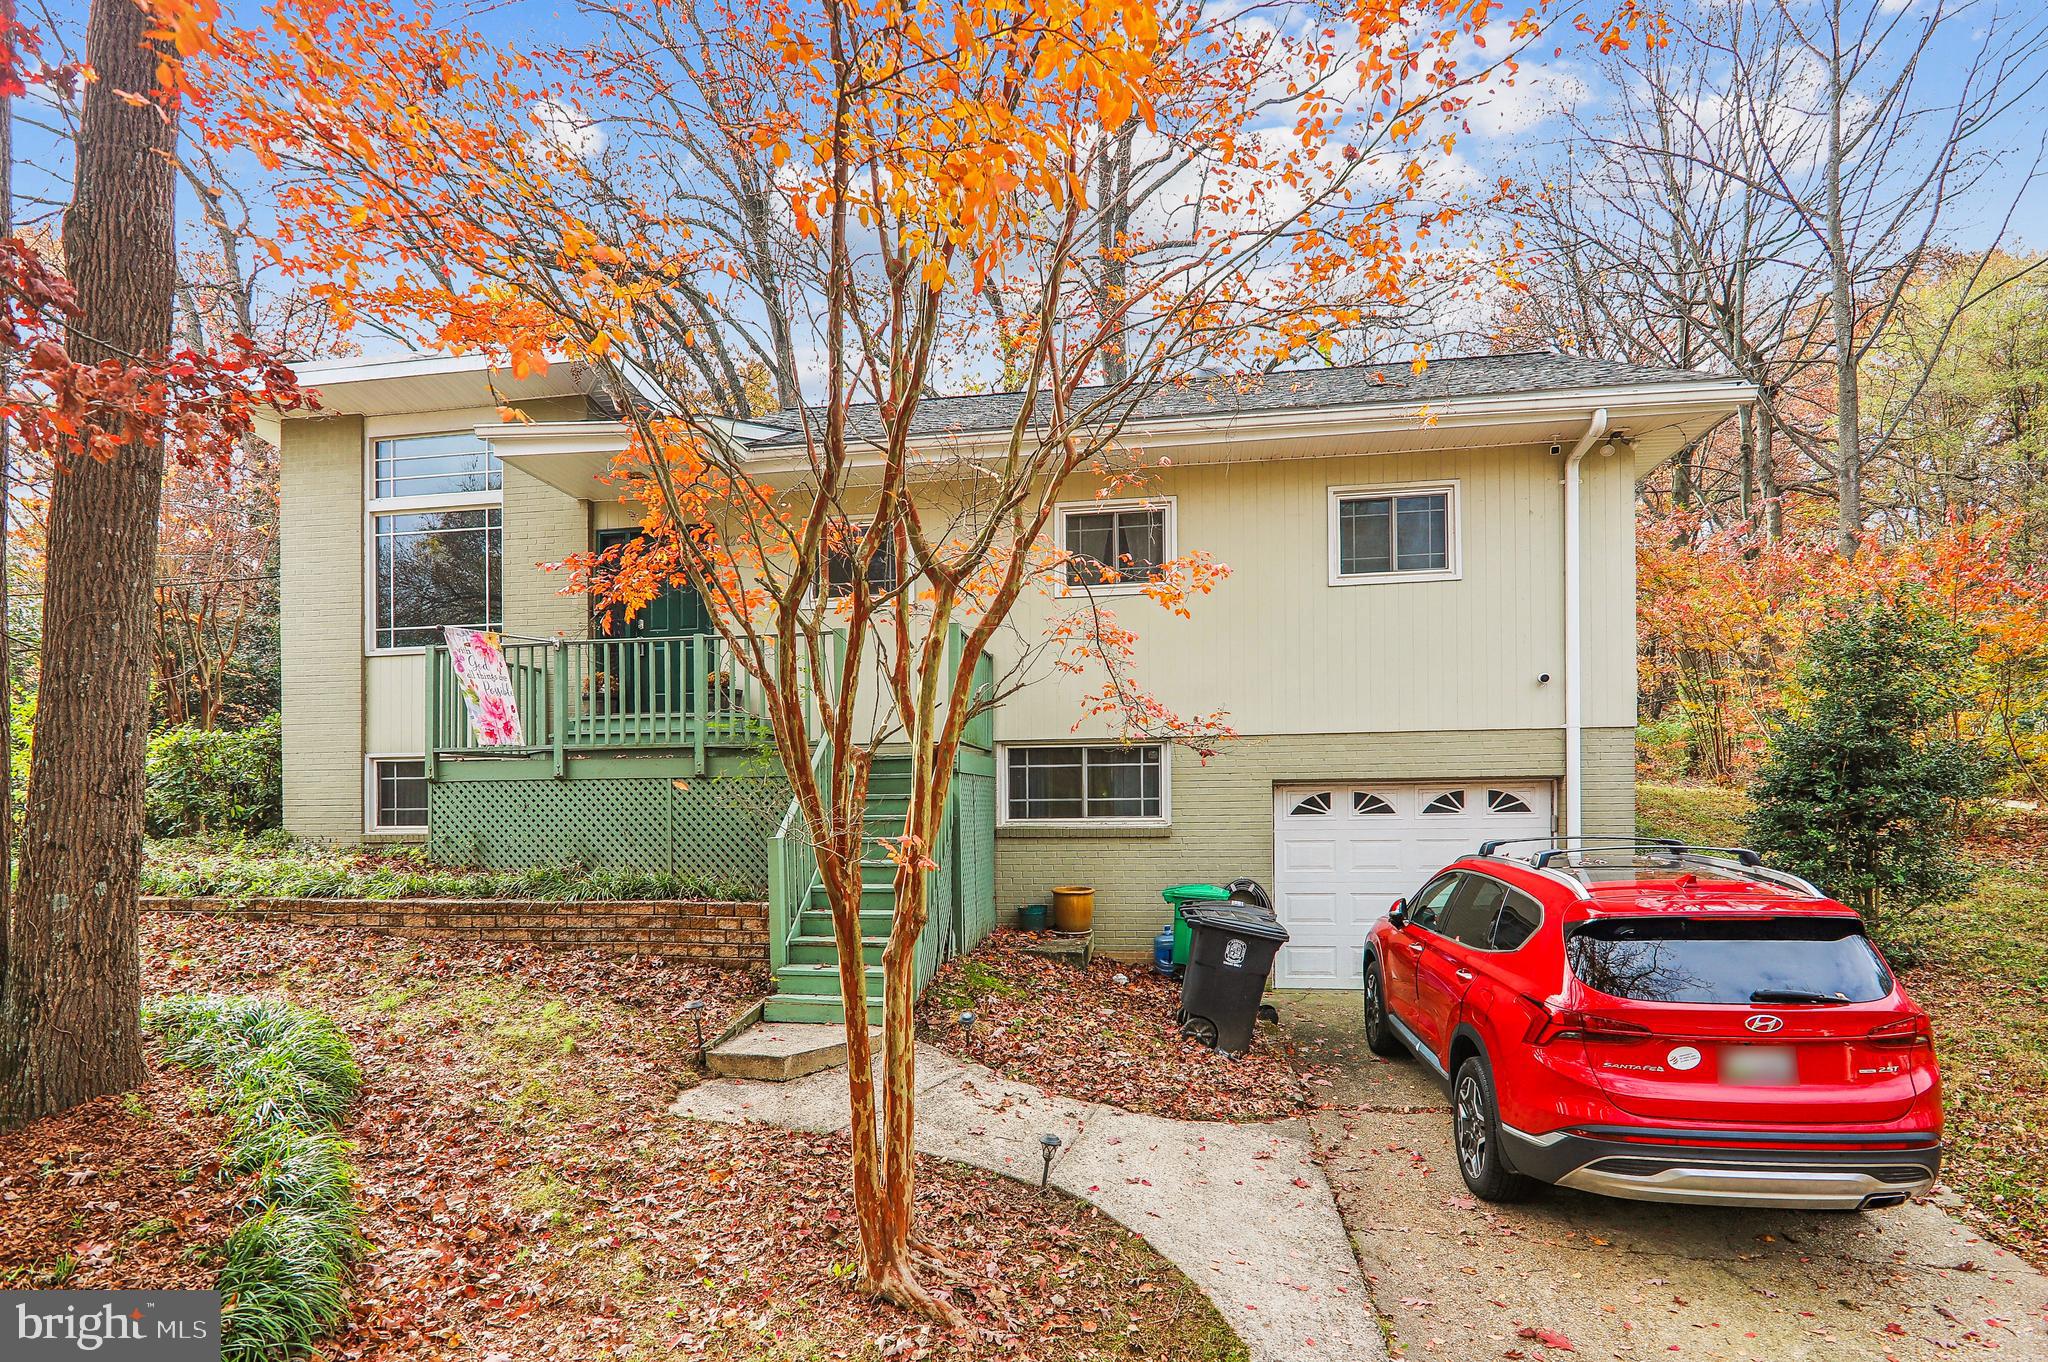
x: 923, y: 184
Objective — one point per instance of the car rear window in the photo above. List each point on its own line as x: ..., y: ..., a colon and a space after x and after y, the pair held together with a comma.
x: 1696, y: 960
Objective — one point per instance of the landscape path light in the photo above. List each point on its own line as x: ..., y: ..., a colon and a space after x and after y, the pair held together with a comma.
x: 1048, y: 1146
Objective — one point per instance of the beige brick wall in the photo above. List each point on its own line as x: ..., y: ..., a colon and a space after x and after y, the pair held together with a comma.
x: 542, y: 525
x: 1610, y: 777
x: 1223, y: 814
x: 320, y: 554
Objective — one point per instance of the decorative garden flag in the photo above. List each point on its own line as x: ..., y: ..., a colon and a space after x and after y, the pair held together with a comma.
x: 486, y: 684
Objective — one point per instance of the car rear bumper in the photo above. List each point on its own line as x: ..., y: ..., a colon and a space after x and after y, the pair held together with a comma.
x: 1710, y: 1169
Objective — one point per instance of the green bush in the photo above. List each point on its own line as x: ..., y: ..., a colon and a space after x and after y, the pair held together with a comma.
x: 218, y: 781
x: 1865, y: 779
x: 273, y: 866
x: 284, y: 1076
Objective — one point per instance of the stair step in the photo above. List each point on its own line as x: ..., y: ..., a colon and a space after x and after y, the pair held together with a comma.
x: 873, y: 898
x: 818, y: 922
x: 821, y: 979
x: 823, y: 949
x: 811, y: 1007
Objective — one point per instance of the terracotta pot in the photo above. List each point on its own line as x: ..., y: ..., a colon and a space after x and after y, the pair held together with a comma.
x: 1073, y: 907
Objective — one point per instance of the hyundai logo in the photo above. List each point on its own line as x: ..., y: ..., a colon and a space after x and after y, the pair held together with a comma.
x: 1764, y: 1022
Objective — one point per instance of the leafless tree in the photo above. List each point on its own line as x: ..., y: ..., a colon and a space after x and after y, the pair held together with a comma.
x: 1764, y: 190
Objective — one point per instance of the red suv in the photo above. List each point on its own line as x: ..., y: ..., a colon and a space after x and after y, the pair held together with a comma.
x: 1660, y: 1022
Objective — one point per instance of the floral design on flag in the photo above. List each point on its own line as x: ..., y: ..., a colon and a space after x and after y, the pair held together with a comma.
x: 486, y: 684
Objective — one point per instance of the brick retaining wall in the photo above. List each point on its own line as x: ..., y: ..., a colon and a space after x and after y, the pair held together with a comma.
x: 709, y: 933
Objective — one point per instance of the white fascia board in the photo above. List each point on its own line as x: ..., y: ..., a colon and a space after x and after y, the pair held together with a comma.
x: 516, y: 439
x: 371, y: 368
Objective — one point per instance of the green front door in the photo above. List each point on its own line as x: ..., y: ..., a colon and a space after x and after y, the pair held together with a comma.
x: 657, y: 679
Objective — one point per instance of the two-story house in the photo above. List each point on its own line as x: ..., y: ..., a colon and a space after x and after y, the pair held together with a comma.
x: 1426, y: 638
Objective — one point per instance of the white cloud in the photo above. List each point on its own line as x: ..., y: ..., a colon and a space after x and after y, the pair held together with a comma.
x: 567, y: 129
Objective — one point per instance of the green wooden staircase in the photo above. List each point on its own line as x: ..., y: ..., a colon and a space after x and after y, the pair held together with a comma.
x: 960, y: 889
x: 807, y: 979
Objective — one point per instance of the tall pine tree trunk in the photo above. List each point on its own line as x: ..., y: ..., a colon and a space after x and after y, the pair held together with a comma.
x: 69, y: 1028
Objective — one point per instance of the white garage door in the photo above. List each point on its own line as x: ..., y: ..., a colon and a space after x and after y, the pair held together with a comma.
x: 1343, y: 853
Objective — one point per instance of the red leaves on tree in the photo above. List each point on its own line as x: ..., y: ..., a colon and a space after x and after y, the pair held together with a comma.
x: 198, y: 404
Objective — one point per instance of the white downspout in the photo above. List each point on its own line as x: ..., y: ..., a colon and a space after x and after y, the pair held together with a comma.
x: 1574, y: 690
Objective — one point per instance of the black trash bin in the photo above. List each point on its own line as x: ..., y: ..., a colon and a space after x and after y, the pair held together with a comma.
x: 1228, y: 961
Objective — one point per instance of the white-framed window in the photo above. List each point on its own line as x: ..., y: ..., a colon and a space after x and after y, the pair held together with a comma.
x: 1085, y: 783
x: 395, y: 794
x: 1380, y: 534
x: 435, y: 528
x: 1115, y: 545
x: 839, y: 562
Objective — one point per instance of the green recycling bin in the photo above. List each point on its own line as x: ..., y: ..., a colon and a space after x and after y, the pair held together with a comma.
x: 1180, y: 896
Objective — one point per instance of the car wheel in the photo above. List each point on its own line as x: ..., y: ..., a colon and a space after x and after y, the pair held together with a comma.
x: 1475, y: 1130
x: 1379, y: 1035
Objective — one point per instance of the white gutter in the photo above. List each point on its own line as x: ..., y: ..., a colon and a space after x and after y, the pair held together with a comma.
x: 1574, y: 690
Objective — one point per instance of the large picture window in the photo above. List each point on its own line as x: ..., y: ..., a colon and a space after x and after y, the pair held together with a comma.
x: 437, y: 568
x: 436, y: 552
x: 1378, y: 535
x: 1079, y: 783
x: 1115, y: 544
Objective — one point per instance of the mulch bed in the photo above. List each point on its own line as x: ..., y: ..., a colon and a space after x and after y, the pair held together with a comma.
x: 1077, y: 1031
x: 526, y: 1193
x: 121, y: 1191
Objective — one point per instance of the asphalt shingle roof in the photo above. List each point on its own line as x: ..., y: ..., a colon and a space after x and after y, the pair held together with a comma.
x: 1288, y: 390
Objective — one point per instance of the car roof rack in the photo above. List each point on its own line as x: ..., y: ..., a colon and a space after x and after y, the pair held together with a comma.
x: 1741, y: 861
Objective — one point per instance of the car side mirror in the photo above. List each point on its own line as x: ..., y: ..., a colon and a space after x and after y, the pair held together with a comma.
x: 1398, y: 914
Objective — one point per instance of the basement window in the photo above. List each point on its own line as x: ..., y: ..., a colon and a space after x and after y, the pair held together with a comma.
x: 400, y: 795
x: 1109, y: 782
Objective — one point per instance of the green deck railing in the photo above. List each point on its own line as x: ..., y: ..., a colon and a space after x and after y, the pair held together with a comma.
x: 605, y: 695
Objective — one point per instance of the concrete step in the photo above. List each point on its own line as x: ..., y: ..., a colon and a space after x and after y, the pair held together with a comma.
x: 777, y: 1051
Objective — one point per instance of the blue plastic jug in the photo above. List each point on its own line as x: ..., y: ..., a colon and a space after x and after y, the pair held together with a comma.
x: 1162, y: 951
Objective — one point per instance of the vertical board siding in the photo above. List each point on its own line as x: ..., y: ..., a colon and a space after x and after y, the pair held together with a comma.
x: 1284, y: 651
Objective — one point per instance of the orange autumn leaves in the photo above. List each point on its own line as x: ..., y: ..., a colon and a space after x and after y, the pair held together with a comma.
x: 439, y: 208
x: 1722, y: 618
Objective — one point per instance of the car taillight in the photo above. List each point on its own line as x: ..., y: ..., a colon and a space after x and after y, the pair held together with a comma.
x: 1570, y: 1023
x: 1904, y: 1033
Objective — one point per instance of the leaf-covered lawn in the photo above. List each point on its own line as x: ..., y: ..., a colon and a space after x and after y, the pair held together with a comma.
x: 1983, y: 976
x: 1076, y: 1031
x: 1985, y: 981
x: 527, y: 1195
x: 121, y: 1191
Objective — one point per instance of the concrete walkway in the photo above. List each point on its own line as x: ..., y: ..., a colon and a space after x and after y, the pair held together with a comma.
x: 1243, y: 1210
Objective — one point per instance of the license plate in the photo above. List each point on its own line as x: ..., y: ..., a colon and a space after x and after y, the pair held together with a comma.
x: 1759, y: 1065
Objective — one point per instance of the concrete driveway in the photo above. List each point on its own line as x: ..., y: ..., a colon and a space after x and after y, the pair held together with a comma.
x: 1466, y: 1281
